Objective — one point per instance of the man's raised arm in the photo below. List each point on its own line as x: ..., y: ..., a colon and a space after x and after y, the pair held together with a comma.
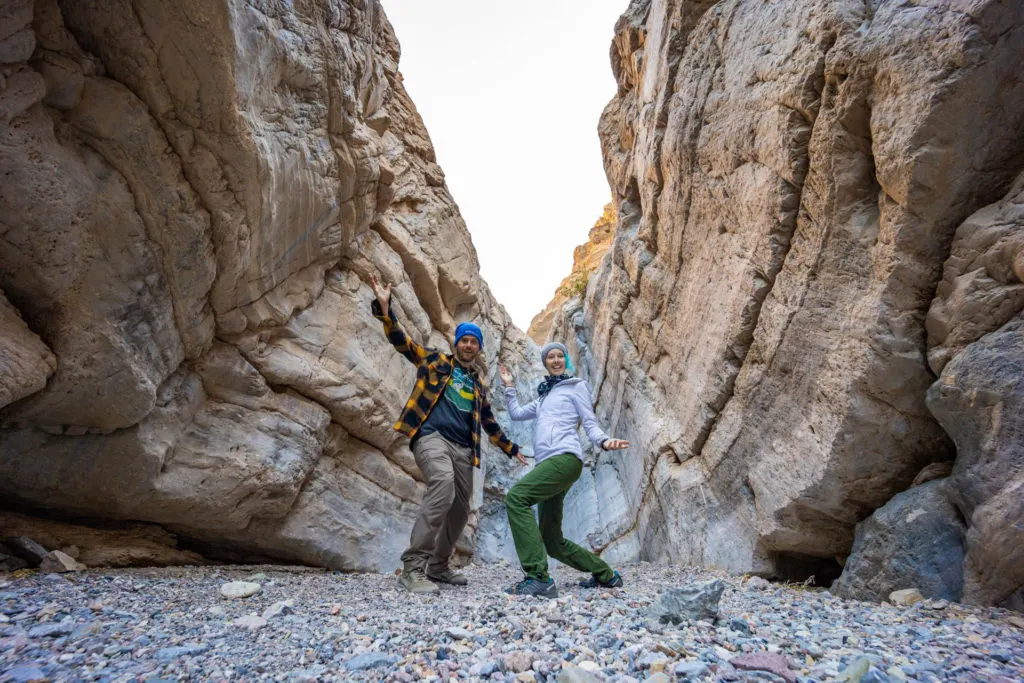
x: 402, y: 342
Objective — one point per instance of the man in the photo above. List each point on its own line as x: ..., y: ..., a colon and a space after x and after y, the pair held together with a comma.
x: 442, y: 418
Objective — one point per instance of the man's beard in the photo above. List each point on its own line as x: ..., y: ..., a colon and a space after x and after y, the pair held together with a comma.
x: 460, y: 356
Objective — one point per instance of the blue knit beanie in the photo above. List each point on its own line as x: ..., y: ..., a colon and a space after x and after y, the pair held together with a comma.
x: 469, y: 329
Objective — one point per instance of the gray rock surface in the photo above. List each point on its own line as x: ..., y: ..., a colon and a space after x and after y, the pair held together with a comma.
x: 693, y: 602
x: 188, y: 236
x: 789, y: 178
x: 158, y: 624
x: 916, y: 539
x: 979, y: 399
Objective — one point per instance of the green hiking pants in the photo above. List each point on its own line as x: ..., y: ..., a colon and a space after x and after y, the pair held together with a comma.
x: 545, y: 486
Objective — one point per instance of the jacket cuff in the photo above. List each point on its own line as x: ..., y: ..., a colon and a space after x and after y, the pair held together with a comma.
x: 378, y: 312
x: 513, y: 451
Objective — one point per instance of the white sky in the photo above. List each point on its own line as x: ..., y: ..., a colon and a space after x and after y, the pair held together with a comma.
x: 511, y: 93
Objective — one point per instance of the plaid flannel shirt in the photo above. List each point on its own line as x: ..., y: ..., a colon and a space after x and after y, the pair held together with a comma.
x: 433, y: 369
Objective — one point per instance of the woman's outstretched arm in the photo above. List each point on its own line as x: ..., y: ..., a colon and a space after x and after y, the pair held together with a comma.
x: 585, y: 407
x: 515, y: 411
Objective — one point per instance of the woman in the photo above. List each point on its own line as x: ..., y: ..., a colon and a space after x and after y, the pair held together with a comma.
x: 563, y: 402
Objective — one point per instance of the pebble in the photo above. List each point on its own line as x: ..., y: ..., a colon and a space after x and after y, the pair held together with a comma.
x: 172, y: 624
x: 906, y: 597
x: 240, y: 589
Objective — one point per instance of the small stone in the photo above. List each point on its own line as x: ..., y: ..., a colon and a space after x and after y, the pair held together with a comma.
x: 370, y: 660
x: 526, y: 677
x: 26, y: 674
x: 52, y: 630
x: 169, y: 654
x: 484, y: 669
x: 250, y: 621
x: 280, y: 608
x: 855, y: 670
x: 690, y: 669
x: 589, y: 666
x: 905, y: 597
x: 335, y: 609
x: 239, y: 589
x: 740, y: 626
x: 658, y: 677
x: 757, y: 583
x: 764, y: 661
x: 518, y: 662
x: 575, y: 674
x: 456, y: 633
x: 873, y: 675
x: 896, y: 675
x: 60, y: 563
x: 658, y: 665
x: 1016, y: 621
x: 694, y: 602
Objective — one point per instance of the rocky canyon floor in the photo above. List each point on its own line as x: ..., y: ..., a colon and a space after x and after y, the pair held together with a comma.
x: 315, y: 625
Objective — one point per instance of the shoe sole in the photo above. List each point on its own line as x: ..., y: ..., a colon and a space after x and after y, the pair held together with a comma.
x: 426, y: 591
x: 437, y: 579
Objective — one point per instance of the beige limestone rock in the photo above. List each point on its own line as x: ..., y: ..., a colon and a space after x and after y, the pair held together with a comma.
x: 788, y: 177
x: 585, y: 260
x: 25, y: 361
x: 57, y: 561
x: 114, y: 544
x: 195, y: 198
x: 905, y: 597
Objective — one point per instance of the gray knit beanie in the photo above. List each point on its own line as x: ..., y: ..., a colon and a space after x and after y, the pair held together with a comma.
x: 557, y: 345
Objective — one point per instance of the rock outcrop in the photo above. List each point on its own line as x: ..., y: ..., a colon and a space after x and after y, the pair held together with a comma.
x: 194, y: 199
x: 916, y: 540
x: 789, y: 179
x: 585, y: 260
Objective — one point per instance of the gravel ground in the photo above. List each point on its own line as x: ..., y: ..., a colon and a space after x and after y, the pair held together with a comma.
x: 175, y: 624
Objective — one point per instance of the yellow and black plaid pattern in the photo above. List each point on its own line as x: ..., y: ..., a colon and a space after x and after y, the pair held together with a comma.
x: 432, y: 371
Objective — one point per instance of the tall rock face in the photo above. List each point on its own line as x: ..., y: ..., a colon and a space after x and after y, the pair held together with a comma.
x: 194, y: 198
x: 586, y: 258
x: 789, y: 178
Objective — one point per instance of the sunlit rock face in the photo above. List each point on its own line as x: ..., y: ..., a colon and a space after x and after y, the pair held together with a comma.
x: 586, y: 259
x: 789, y: 178
x: 195, y: 196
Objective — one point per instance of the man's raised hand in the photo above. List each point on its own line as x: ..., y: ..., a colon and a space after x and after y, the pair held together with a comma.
x: 382, y: 292
x: 506, y: 377
x: 615, y: 444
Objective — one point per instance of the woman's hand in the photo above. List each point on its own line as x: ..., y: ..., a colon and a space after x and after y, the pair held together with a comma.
x: 506, y: 377
x: 522, y: 459
x: 382, y: 292
x: 615, y: 444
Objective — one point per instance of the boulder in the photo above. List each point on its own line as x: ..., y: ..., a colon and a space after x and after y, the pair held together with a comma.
x: 916, y: 539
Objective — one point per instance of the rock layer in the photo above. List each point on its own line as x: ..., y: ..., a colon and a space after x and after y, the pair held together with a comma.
x: 788, y: 177
x: 585, y: 260
x: 194, y: 200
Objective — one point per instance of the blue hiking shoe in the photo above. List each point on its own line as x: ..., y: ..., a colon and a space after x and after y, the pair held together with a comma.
x: 534, y: 587
x: 594, y: 582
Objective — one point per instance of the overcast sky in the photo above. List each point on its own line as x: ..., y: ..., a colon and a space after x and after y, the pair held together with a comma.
x: 511, y: 94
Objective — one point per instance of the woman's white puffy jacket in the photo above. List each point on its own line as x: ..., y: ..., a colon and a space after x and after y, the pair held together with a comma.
x: 558, y: 415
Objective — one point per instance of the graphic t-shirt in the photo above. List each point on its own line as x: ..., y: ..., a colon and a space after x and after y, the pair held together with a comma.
x: 452, y: 416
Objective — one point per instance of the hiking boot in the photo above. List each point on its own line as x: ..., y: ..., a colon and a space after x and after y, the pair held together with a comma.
x: 447, y: 575
x: 415, y: 581
x: 534, y: 587
x: 594, y: 582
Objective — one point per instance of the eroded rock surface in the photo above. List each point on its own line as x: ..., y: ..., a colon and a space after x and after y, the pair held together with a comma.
x: 194, y: 199
x: 789, y: 178
x: 586, y: 258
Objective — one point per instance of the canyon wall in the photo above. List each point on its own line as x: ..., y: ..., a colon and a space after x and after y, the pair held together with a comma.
x: 194, y: 199
x: 814, y: 289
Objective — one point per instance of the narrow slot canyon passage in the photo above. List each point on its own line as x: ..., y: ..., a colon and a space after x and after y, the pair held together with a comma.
x: 628, y: 340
